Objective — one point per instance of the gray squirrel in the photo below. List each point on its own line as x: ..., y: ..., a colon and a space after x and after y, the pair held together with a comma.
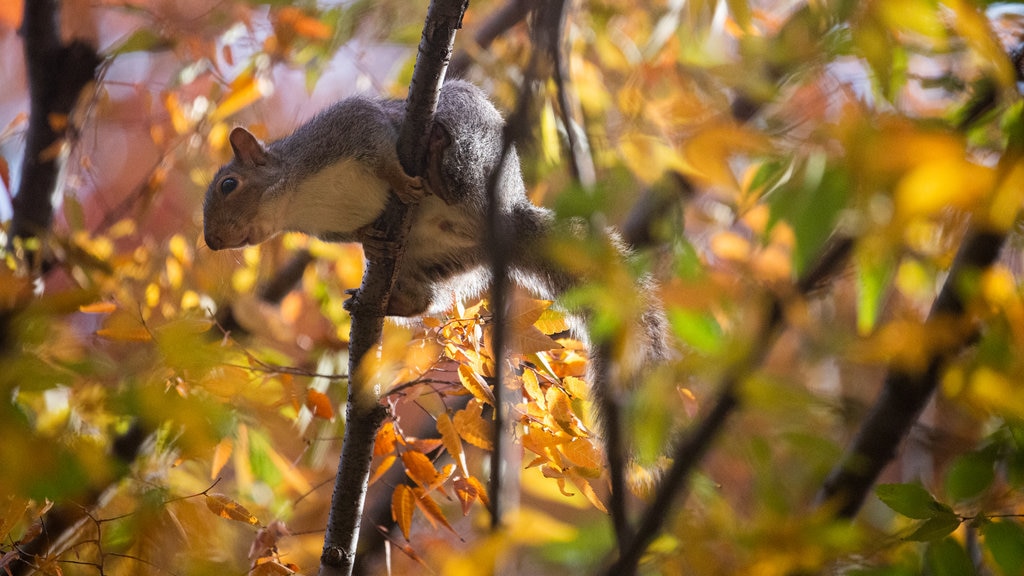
x: 331, y: 179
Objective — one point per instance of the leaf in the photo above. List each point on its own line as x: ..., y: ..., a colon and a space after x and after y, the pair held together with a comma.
x: 143, y: 40
x: 386, y: 439
x: 910, y: 500
x: 970, y: 475
x: 1005, y: 540
x: 403, y: 503
x: 947, y: 557
x: 220, y: 457
x: 245, y: 90
x: 472, y: 427
x: 419, y: 468
x: 935, y: 528
x: 466, y: 493
x: 225, y: 507
x: 320, y: 404
x: 431, y: 510
x: 532, y: 387
x: 98, y: 308
x: 383, y: 467
x: 560, y: 409
x: 450, y: 438
x: 588, y: 491
x: 476, y: 385
x: 582, y: 453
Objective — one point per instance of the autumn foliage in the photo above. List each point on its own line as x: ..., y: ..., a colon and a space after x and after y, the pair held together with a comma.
x: 820, y: 174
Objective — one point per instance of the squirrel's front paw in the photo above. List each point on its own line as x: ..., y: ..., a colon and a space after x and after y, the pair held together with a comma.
x: 411, y: 189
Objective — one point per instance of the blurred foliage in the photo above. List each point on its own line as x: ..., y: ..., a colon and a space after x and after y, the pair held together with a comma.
x: 891, y: 122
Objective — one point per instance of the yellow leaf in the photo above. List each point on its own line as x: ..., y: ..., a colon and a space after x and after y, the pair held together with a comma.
x: 225, y: 507
x: 586, y: 488
x: 403, y: 502
x: 475, y: 384
x: 220, y: 457
x: 246, y: 92
x: 383, y: 467
x: 431, y: 510
x: 472, y: 427
x: 560, y: 410
x: 931, y: 187
x: 576, y: 387
x: 98, y: 308
x: 123, y: 327
x: 532, y: 387
x: 551, y: 322
x: 319, y: 404
x: 647, y: 157
x: 710, y: 152
x: 582, y: 452
x: 452, y: 443
x: 419, y: 468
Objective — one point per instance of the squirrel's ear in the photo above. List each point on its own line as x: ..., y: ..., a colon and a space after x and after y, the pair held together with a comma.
x: 247, y: 148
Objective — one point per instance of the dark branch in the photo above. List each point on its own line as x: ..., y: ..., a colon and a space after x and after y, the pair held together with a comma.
x: 500, y: 22
x: 365, y: 414
x: 57, y: 73
x: 692, y: 449
x: 904, y: 393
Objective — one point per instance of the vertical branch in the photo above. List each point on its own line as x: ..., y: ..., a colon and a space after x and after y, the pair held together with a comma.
x: 57, y: 73
x: 691, y: 450
x: 904, y: 393
x: 365, y: 414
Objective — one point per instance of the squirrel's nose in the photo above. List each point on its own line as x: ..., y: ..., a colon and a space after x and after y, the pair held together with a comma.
x: 212, y: 241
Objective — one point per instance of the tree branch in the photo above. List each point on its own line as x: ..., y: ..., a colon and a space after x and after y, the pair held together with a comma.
x: 904, y: 393
x: 500, y: 22
x: 692, y: 449
x: 365, y: 414
x: 57, y: 73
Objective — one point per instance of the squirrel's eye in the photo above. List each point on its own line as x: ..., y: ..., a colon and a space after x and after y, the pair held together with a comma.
x: 228, y: 185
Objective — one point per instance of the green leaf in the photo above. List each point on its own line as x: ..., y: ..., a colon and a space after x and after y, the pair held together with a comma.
x: 934, y: 528
x: 1005, y: 540
x: 143, y: 40
x: 811, y: 205
x: 947, y: 557
x: 910, y: 500
x: 875, y: 272
x: 970, y: 475
x: 698, y: 330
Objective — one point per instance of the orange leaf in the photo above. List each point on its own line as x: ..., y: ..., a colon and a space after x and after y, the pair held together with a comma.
x: 220, y: 457
x: 5, y: 173
x: 319, y: 404
x: 98, y: 308
x: 472, y: 427
x: 481, y: 492
x: 431, y: 510
x: 452, y: 444
x: 383, y: 467
x: 302, y: 24
x: 419, y: 468
x: 243, y: 94
x: 385, y: 441
x: 225, y: 507
x: 466, y: 493
x: 403, y: 502
x: 476, y: 385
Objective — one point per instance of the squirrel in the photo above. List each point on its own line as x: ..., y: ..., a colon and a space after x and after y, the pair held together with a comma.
x: 331, y: 179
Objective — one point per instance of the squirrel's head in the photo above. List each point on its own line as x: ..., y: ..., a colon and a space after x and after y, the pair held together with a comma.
x: 238, y: 207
